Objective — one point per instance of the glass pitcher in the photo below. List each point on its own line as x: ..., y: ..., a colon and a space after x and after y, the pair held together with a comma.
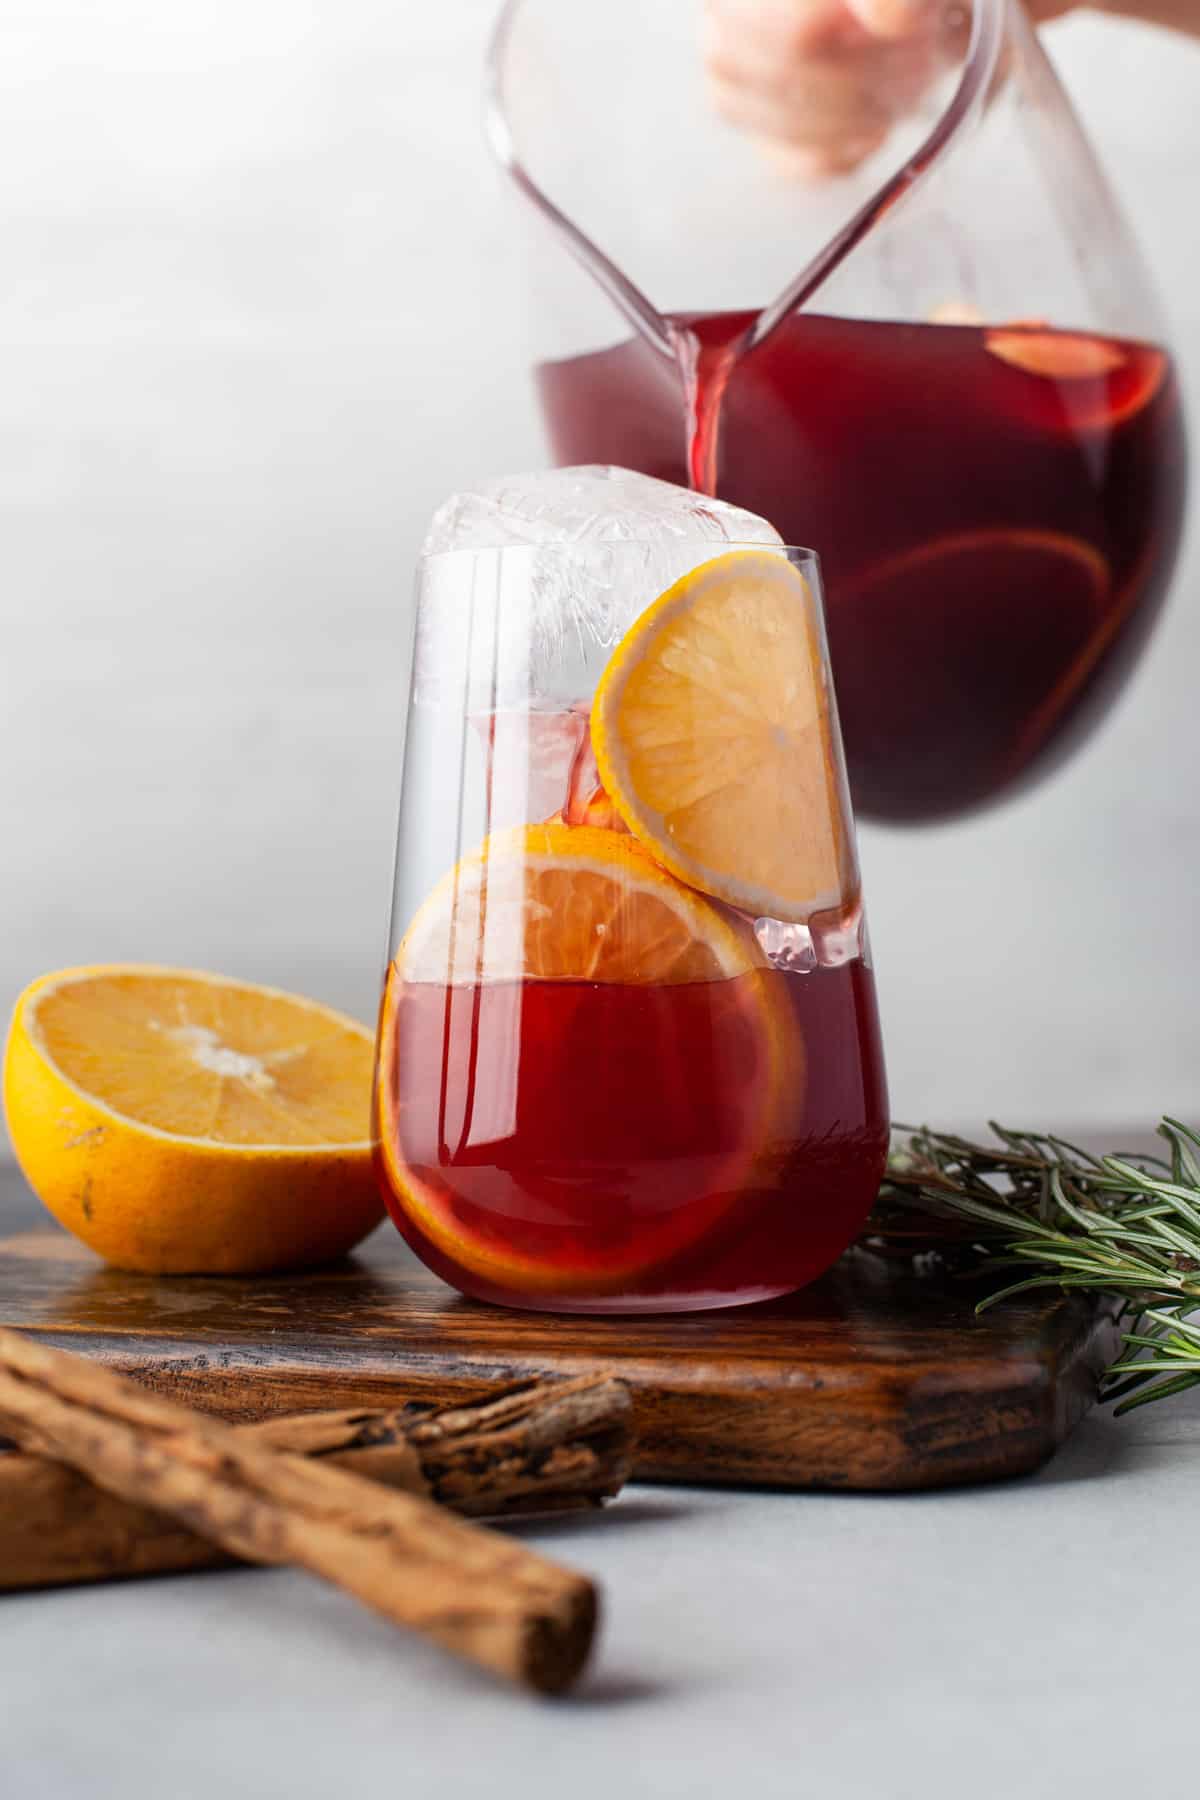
x: 945, y: 367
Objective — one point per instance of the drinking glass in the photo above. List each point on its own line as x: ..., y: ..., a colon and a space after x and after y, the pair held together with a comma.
x: 944, y: 365
x: 628, y: 1055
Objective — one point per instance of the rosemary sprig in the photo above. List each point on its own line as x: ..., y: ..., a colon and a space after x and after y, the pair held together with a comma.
x: 1126, y: 1226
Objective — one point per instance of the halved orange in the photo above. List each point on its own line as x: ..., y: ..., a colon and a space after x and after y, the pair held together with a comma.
x: 552, y: 943
x: 712, y: 728
x: 181, y: 1123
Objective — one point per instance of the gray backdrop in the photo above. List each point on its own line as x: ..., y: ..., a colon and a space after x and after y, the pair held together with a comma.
x: 246, y: 250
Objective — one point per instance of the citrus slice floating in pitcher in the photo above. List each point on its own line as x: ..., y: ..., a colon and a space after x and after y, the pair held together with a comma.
x: 1000, y: 557
x: 906, y: 612
x: 1065, y: 355
x: 713, y: 735
x: 184, y: 1124
x: 525, y: 945
x: 1115, y: 380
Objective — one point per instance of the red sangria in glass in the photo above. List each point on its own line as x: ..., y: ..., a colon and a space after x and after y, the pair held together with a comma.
x: 628, y: 1054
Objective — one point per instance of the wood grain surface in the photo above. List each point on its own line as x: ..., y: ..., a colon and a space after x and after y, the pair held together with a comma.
x: 871, y: 1378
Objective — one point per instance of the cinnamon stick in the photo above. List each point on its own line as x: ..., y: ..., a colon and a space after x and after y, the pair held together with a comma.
x: 480, y: 1595
x: 549, y: 1447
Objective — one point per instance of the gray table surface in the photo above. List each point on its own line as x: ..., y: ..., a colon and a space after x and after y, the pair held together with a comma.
x: 1034, y: 1638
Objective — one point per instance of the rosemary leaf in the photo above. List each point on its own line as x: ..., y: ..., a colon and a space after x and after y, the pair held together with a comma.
x: 1126, y: 1226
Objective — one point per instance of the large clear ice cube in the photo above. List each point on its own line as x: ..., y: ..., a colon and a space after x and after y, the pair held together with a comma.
x: 596, y: 546
x: 590, y: 504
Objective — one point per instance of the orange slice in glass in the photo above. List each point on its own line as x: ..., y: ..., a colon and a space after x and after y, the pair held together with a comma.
x: 542, y: 936
x: 556, y: 902
x: 713, y: 735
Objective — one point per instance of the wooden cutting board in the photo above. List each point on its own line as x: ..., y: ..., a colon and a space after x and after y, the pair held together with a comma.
x: 872, y: 1378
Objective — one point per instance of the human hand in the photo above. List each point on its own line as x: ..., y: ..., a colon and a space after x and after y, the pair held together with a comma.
x: 822, y: 82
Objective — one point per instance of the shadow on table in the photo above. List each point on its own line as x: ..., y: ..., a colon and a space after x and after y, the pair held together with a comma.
x: 617, y: 1515
x: 1100, y: 1446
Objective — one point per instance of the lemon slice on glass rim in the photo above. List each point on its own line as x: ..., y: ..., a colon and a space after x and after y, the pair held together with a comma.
x: 712, y: 727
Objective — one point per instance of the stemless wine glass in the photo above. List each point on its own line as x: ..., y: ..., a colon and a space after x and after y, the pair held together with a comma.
x: 628, y: 1054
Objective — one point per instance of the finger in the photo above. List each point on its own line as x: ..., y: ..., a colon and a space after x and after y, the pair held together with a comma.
x: 814, y: 114
x: 778, y: 31
x: 900, y: 19
x: 821, y: 97
x: 893, y: 72
x: 796, y: 162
